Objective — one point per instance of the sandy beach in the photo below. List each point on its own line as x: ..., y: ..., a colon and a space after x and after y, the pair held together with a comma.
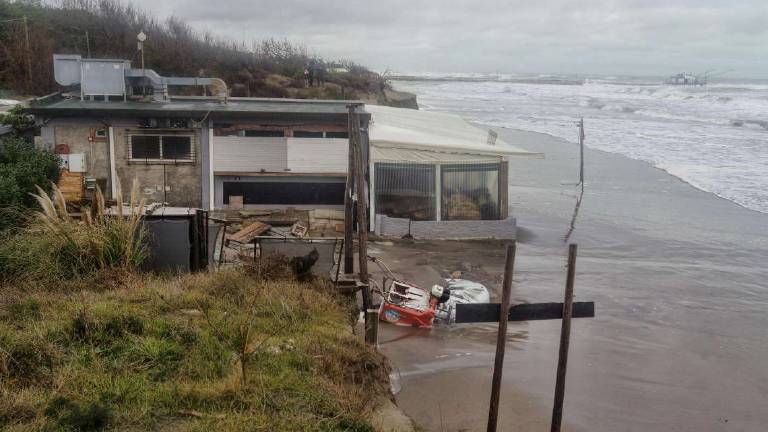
x: 678, y: 277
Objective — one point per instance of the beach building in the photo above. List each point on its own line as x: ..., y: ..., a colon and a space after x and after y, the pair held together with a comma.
x: 431, y: 174
x: 199, y: 152
x: 435, y: 175
x: 193, y: 151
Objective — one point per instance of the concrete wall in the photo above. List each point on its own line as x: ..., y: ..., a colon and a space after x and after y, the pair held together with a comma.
x: 453, y: 230
x: 76, y: 135
x: 182, y: 181
x: 179, y: 184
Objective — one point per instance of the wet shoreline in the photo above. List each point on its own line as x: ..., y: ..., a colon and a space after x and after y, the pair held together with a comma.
x: 678, y: 277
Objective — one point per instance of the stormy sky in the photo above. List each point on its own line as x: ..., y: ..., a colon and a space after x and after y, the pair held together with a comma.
x: 638, y: 37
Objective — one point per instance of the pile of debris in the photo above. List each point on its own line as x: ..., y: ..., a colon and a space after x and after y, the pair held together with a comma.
x: 243, y: 227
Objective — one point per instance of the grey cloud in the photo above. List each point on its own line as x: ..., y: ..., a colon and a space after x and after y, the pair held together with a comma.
x: 569, y: 36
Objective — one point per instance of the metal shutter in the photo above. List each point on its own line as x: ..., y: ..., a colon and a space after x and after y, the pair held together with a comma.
x: 249, y: 154
x: 318, y: 155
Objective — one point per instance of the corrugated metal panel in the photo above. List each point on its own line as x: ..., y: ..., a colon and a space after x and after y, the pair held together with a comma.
x: 249, y: 154
x: 318, y: 155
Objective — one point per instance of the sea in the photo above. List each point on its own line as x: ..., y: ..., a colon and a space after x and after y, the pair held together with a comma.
x: 714, y: 137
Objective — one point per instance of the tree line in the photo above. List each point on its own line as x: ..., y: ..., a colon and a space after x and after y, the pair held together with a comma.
x: 108, y: 29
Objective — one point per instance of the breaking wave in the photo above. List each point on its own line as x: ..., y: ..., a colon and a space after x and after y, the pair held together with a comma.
x: 711, y: 137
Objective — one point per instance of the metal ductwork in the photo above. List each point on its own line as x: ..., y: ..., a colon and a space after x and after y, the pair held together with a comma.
x: 105, y: 78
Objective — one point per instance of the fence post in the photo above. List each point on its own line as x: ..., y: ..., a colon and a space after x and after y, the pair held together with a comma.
x: 565, y: 337
x: 501, y: 338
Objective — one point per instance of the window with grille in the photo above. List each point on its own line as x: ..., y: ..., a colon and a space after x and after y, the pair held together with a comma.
x: 174, y: 148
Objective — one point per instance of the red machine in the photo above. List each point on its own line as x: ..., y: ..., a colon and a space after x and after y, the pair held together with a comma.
x: 407, y: 304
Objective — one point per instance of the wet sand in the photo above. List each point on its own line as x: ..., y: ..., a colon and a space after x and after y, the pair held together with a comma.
x: 679, y: 278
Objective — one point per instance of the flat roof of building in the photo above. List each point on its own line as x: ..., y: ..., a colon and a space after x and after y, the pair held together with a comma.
x: 197, y: 106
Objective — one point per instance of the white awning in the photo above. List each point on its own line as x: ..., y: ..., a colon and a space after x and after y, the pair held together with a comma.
x: 400, y: 134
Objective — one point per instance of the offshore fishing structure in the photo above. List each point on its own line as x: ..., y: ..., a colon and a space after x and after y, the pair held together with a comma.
x: 690, y: 79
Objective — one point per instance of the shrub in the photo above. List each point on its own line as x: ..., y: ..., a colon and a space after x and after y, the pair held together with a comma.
x: 25, y: 360
x: 55, y: 248
x: 28, y: 308
x: 71, y: 415
x: 19, y: 121
x: 22, y: 168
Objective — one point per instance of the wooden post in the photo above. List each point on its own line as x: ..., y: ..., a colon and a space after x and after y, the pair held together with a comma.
x: 223, y: 240
x: 371, y: 315
x: 565, y: 336
x: 371, y: 325
x: 203, y: 221
x: 362, y: 201
x: 581, y: 151
x: 338, y: 264
x: 501, y: 338
x: 349, y: 254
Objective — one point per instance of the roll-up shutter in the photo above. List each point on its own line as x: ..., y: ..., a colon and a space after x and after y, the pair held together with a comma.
x: 249, y: 154
x: 317, y: 155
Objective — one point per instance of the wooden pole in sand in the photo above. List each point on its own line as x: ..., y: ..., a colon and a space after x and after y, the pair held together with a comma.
x: 349, y: 254
x: 565, y: 337
x: 501, y: 338
x: 581, y: 152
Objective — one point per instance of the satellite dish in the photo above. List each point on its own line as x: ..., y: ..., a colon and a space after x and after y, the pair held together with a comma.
x: 141, y: 36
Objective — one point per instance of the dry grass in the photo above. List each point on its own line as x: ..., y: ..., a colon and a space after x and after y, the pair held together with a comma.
x: 208, y: 351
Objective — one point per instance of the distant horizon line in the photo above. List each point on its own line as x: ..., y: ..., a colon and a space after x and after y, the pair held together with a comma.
x: 560, y: 75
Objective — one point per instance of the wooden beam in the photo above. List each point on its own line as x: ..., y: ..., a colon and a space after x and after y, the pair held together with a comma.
x: 489, y: 312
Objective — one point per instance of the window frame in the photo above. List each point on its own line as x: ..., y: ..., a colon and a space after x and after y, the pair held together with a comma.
x: 189, y: 160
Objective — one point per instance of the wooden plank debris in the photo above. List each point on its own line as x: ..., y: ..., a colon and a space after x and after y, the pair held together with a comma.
x: 247, y: 234
x: 490, y: 312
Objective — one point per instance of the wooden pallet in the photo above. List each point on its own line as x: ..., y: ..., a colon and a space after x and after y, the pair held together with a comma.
x: 71, y: 186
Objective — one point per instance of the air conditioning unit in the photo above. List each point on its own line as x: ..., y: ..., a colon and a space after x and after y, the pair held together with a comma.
x: 148, y: 123
x: 178, y: 123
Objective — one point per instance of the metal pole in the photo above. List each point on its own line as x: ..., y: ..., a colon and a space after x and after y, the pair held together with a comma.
x: 501, y: 337
x: 565, y: 337
x: 88, y: 43
x: 28, y: 50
